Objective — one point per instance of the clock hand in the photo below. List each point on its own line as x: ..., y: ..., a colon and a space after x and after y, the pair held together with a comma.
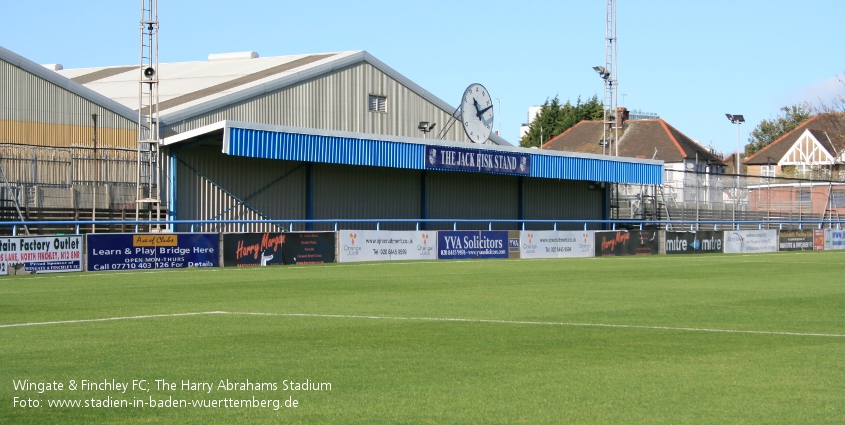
x: 484, y: 110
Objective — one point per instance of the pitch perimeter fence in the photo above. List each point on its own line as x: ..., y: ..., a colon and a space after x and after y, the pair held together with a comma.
x: 96, y: 252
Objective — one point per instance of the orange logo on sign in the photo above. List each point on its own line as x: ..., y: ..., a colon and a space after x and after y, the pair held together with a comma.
x: 155, y: 240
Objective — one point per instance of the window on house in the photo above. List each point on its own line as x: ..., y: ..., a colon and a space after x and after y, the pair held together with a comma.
x: 803, y: 195
x: 377, y: 103
x: 838, y: 198
x: 767, y: 170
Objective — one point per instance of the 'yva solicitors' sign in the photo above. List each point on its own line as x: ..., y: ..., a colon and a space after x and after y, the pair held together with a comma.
x: 702, y: 242
x: 472, y: 244
x: 462, y: 159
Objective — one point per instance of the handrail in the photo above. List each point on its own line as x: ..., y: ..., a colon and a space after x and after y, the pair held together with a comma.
x: 608, y: 224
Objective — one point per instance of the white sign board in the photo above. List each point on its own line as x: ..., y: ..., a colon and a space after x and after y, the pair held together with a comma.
x: 556, y: 244
x: 750, y: 241
x: 834, y: 239
x: 42, y: 254
x: 386, y: 245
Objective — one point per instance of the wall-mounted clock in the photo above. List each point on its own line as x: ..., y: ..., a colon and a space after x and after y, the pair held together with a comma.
x: 477, y: 113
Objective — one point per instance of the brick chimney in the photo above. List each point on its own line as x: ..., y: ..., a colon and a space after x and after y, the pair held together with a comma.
x: 622, y: 115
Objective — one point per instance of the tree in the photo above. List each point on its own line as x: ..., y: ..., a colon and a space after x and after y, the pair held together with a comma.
x: 555, y: 118
x: 770, y: 130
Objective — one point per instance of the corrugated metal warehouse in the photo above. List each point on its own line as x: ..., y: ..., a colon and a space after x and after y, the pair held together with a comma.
x: 329, y: 136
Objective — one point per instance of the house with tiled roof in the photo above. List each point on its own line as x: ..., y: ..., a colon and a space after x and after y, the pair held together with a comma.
x: 812, y: 150
x: 651, y: 138
x: 812, y: 154
x: 684, y: 159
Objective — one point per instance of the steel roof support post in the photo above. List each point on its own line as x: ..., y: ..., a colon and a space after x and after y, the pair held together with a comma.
x: 171, y: 173
x: 520, y: 194
x: 309, y: 195
x: 423, y: 199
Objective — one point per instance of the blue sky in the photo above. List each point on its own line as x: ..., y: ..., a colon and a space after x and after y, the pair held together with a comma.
x: 689, y: 62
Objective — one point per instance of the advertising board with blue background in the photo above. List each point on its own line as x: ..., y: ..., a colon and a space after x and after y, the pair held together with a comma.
x: 128, y: 251
x: 472, y: 244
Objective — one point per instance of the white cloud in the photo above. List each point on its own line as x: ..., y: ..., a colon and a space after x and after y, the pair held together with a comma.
x: 824, y: 91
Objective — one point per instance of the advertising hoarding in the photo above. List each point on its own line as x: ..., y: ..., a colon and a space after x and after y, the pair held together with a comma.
x: 700, y: 242
x: 41, y: 254
x: 612, y: 243
x: 252, y: 249
x: 750, y: 241
x: 834, y: 239
x: 308, y: 248
x: 680, y: 242
x: 643, y: 242
x: 556, y: 244
x: 796, y: 240
x: 386, y: 245
x: 144, y: 251
x: 472, y: 244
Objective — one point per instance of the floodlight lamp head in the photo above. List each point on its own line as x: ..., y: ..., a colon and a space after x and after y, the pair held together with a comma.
x: 602, y: 71
x: 735, y: 119
x: 423, y: 126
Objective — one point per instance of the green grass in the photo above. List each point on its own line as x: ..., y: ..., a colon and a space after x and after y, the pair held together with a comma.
x: 533, y: 349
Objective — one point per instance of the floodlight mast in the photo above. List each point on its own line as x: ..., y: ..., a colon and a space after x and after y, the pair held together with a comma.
x: 609, y: 75
x: 736, y: 119
x: 148, y: 175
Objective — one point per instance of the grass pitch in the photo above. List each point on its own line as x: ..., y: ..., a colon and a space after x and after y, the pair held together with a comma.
x: 664, y: 339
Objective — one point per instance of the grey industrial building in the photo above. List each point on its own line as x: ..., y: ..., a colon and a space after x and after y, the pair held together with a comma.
x: 322, y: 136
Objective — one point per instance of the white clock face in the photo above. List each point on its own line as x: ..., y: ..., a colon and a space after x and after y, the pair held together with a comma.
x: 477, y: 113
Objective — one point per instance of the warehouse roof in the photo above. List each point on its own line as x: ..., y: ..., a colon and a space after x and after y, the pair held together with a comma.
x: 51, y: 76
x: 188, y: 89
